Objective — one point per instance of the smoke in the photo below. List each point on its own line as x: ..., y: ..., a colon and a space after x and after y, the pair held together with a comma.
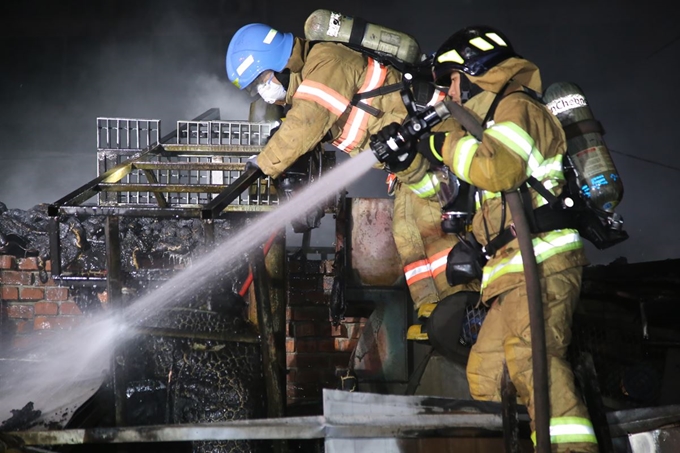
x: 52, y: 98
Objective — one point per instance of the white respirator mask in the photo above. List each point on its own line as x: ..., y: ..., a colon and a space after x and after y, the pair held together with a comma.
x: 271, y: 92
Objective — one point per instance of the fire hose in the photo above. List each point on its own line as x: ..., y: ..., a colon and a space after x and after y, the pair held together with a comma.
x: 249, y: 280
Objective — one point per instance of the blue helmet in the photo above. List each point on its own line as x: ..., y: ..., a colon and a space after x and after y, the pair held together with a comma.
x: 256, y: 48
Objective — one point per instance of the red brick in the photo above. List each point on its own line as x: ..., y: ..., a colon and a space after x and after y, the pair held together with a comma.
x: 326, y: 345
x: 328, y: 284
x: 304, y: 329
x: 7, y: 262
x: 353, y: 330
x: 338, y: 331
x: 343, y: 344
x: 69, y: 308
x: 24, y: 327
x: 48, y: 265
x: 307, y: 298
x: 28, y: 264
x: 45, y: 323
x: 56, y: 293
x: 9, y: 293
x: 314, y: 313
x: 31, y: 293
x: 306, y: 346
x: 46, y: 308
x: 290, y: 345
x: 19, y: 310
x: 305, y: 283
x: 308, y: 360
x: 15, y: 278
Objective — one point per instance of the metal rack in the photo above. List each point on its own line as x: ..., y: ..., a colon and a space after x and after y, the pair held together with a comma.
x: 186, y: 169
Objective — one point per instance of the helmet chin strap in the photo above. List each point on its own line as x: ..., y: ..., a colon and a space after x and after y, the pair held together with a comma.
x: 468, y: 90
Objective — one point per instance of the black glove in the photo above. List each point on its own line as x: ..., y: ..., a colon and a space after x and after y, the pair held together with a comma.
x: 383, y: 145
x: 251, y: 163
x: 430, y: 147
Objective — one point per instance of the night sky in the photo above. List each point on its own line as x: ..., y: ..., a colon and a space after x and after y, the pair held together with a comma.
x: 66, y: 63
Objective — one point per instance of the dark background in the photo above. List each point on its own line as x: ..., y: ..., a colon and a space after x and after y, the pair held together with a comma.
x: 64, y: 63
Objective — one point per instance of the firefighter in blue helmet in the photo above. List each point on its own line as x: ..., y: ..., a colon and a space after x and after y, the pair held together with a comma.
x: 319, y: 82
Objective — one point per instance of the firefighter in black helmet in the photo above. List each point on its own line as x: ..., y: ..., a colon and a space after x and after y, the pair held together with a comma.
x: 479, y: 67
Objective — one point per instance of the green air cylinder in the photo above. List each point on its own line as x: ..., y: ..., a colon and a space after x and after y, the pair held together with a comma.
x: 325, y: 25
x: 598, y: 178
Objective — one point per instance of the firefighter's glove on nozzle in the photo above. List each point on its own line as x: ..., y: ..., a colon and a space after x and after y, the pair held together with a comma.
x: 430, y: 147
x: 251, y: 163
x: 393, y: 149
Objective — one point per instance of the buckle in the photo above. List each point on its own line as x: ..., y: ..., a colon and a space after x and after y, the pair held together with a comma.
x: 391, y: 182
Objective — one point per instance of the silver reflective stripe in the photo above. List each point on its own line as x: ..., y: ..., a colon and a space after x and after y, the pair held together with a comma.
x: 462, y: 156
x: 426, y: 187
x: 518, y: 141
x: 553, y: 243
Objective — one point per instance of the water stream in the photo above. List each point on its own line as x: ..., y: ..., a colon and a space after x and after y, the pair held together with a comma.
x: 60, y: 373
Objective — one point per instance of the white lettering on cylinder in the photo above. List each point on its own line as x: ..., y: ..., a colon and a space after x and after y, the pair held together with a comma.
x: 566, y: 103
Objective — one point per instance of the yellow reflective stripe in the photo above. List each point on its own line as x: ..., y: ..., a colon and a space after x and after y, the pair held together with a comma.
x: 550, y: 168
x: 518, y: 141
x: 570, y: 430
x: 462, y: 156
x: 554, y: 243
x: 433, y: 148
x: 426, y: 187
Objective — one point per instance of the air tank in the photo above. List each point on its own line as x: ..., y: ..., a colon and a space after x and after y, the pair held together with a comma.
x: 326, y: 25
x: 598, y: 178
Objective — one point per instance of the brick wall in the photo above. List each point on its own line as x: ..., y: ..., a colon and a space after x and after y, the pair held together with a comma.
x: 314, y: 347
x: 30, y: 305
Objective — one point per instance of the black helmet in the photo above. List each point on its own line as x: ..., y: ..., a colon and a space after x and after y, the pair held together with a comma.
x: 473, y: 51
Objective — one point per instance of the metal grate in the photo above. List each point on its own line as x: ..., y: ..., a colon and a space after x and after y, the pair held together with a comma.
x: 235, y: 133
x: 207, y: 157
x: 127, y: 133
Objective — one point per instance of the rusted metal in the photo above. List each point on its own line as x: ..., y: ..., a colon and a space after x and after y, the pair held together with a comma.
x: 272, y: 359
x: 587, y: 377
x: 275, y: 264
x: 177, y: 188
x: 221, y: 166
x: 233, y: 191
x: 215, y: 336
x: 272, y: 370
x: 114, y: 291
x: 510, y: 417
x: 313, y: 427
x: 375, y: 261
x: 55, y: 245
